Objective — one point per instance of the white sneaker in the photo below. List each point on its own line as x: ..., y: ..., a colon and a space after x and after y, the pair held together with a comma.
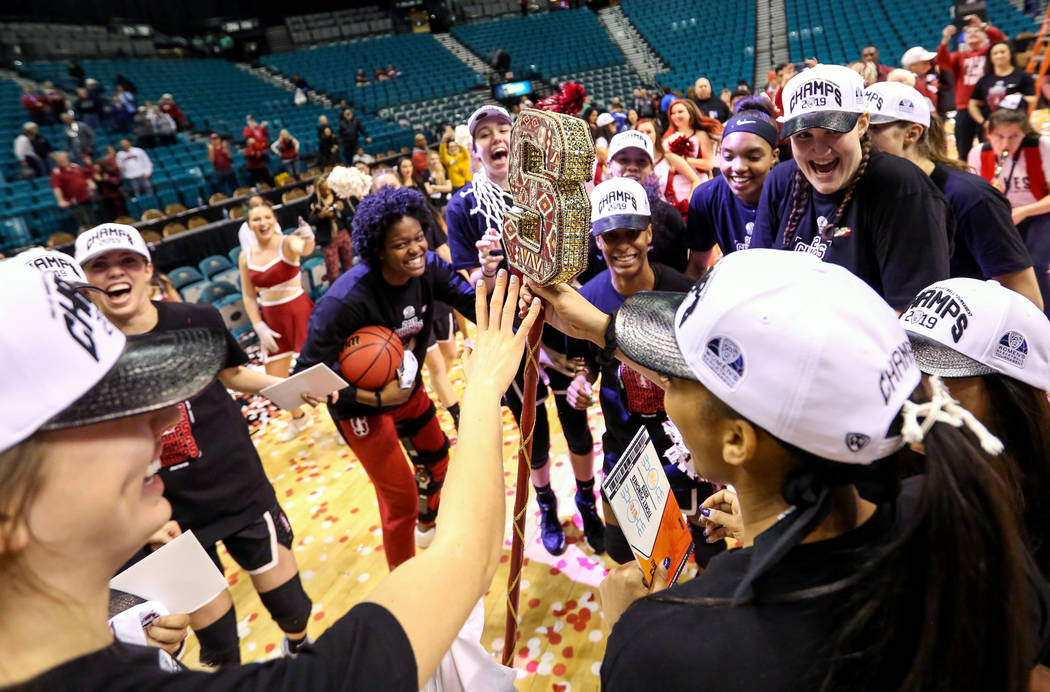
x: 425, y: 538
x: 295, y: 426
x: 286, y: 649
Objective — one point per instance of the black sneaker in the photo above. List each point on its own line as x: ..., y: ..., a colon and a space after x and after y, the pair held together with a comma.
x: 593, y: 528
x: 550, y: 527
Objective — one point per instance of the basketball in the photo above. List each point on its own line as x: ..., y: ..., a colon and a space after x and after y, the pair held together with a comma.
x: 370, y: 357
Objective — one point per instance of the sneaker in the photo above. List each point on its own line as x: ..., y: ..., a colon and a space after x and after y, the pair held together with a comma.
x: 286, y: 647
x: 593, y: 528
x: 425, y: 538
x: 550, y: 527
x: 295, y: 426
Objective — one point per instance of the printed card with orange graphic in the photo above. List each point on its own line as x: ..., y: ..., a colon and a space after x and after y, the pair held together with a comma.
x: 649, y: 516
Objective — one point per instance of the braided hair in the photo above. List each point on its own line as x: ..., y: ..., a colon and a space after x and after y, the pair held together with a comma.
x: 801, y: 192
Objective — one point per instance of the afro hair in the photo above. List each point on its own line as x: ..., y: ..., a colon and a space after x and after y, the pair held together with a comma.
x: 376, y: 215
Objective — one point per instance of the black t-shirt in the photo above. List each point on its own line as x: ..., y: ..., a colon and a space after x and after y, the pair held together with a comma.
x: 361, y: 297
x: 781, y: 642
x: 212, y: 475
x: 716, y: 215
x: 366, y: 649
x: 987, y: 244
x: 991, y: 89
x: 669, y: 236
x: 713, y: 107
x: 628, y: 400
x: 896, y: 232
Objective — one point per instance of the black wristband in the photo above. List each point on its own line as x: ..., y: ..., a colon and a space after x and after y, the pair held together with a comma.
x: 352, y: 392
x: 379, y: 400
x: 608, y: 352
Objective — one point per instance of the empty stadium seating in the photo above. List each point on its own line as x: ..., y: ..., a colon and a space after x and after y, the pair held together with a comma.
x: 546, y: 44
x: 323, y: 27
x: 698, y: 39
x: 605, y: 83
x: 834, y: 32
x: 428, y: 70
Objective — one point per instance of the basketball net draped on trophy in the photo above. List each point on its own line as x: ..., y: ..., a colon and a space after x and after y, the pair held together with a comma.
x: 545, y: 238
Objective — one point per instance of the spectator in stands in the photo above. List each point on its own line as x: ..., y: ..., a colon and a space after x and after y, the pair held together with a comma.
x: 163, y: 125
x: 142, y: 129
x: 322, y: 123
x: 122, y: 83
x: 328, y: 149
x: 1001, y: 78
x: 606, y: 129
x: 299, y: 82
x: 95, y: 89
x: 590, y: 116
x: 901, y: 76
x: 256, y: 130
x: 419, y: 154
x: 80, y: 138
x: 76, y: 72
x: 709, y: 105
x: 350, y: 131
x: 380, y: 75
x: 666, y: 100
x: 55, y: 99
x: 41, y: 146
x: 968, y: 67
x: 256, y: 157
x: 618, y: 113
x: 870, y: 55
x: 35, y: 105
x: 331, y: 218
x: 726, y: 96
x: 89, y: 108
x: 127, y: 98
x: 73, y: 185
x: 406, y: 173
x: 167, y: 105
x: 360, y: 78
x: 221, y: 158
x: 436, y: 183
x: 643, y: 104
x: 920, y: 61
x: 32, y: 164
x: 455, y: 159
x: 392, y: 72
x: 287, y: 148
x: 120, y: 117
x: 107, y: 182
x: 135, y: 168
x: 362, y: 157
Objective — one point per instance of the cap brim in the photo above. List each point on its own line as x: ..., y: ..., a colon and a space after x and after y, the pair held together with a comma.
x: 645, y: 333
x: 611, y: 223
x: 154, y: 371
x: 934, y: 358
x: 836, y: 121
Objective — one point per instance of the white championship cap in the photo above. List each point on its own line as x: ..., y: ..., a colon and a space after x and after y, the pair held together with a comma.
x: 967, y: 327
x: 619, y: 203
x: 66, y: 365
x: 604, y: 119
x: 630, y: 139
x: 892, y: 101
x: 829, y: 379
x: 487, y: 111
x: 916, y: 54
x: 44, y: 260
x: 108, y: 237
x: 826, y: 96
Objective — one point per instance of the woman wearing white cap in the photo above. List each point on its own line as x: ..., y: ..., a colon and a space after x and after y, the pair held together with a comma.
x: 79, y: 446
x: 992, y: 349
x: 914, y: 585
x: 987, y: 244
x: 872, y: 213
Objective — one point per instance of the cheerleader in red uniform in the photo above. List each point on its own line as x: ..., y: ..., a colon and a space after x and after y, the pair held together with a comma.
x: 280, y: 312
x: 691, y: 136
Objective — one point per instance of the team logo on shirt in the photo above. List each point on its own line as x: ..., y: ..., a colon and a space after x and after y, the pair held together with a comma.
x: 359, y: 427
x: 724, y: 358
x: 1012, y: 348
x: 408, y: 312
x: 749, y: 228
x: 815, y: 247
x: 856, y: 441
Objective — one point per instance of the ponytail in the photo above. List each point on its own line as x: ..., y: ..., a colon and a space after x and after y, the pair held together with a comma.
x: 933, y: 145
x: 949, y: 598
x: 801, y: 193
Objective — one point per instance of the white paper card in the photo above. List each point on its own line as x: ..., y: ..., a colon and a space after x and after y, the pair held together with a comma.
x: 288, y: 394
x: 180, y: 575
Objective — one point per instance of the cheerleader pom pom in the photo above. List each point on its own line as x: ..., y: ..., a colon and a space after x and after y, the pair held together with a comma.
x: 680, y: 145
x: 349, y: 182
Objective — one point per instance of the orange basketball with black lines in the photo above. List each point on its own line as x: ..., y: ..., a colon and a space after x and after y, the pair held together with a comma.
x: 370, y: 357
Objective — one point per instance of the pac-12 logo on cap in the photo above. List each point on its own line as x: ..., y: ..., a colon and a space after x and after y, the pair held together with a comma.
x: 1012, y: 348
x: 725, y: 359
x: 856, y: 441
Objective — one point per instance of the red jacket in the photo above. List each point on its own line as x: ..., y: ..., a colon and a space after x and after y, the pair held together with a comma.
x: 255, y: 157
x: 258, y: 133
x: 175, y: 112
x: 33, y: 102
x: 73, y: 182
x: 968, y: 66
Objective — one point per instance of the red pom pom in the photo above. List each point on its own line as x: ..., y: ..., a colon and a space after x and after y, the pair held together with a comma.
x: 569, y: 100
x: 681, y: 145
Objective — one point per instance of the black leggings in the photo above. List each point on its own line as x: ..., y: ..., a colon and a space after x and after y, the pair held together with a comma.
x: 574, y: 423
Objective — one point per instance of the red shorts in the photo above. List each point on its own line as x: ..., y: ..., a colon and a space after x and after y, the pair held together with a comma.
x: 289, y: 320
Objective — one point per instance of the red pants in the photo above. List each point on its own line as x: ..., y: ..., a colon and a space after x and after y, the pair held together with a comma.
x: 402, y: 494
x: 338, y: 255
